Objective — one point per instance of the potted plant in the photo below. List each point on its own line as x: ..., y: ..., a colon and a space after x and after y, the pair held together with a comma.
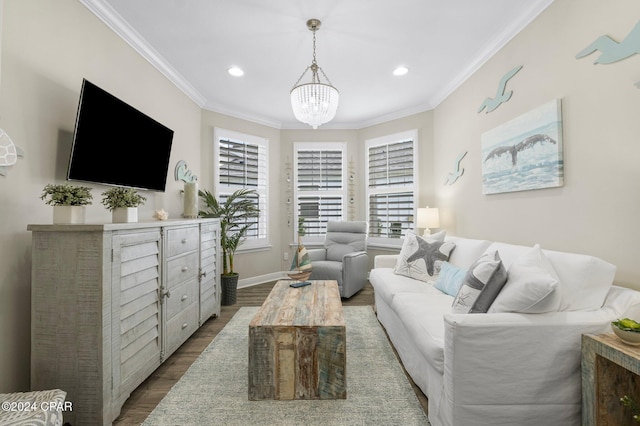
x: 68, y: 202
x: 123, y: 203
x: 233, y: 215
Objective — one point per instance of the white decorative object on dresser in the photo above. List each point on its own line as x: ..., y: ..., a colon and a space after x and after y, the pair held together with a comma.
x: 111, y: 302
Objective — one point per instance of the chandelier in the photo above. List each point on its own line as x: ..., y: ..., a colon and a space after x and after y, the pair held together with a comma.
x: 314, y: 103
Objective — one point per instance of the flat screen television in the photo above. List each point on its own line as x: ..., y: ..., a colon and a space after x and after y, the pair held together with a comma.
x: 115, y: 144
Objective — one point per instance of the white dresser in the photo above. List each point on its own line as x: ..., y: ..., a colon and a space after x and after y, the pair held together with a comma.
x: 111, y: 302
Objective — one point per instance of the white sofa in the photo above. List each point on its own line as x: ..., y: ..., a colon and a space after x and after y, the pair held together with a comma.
x: 504, y: 368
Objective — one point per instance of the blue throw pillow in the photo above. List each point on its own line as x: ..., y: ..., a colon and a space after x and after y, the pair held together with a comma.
x: 450, y: 279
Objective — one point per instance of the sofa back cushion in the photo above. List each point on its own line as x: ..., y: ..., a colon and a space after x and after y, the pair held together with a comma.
x: 584, y: 280
x: 467, y: 251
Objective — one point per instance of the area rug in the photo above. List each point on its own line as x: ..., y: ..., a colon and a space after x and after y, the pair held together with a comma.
x: 214, y: 389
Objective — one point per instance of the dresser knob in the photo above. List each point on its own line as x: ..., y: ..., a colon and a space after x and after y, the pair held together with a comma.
x: 184, y: 241
x: 183, y: 298
x: 184, y: 325
x: 185, y: 269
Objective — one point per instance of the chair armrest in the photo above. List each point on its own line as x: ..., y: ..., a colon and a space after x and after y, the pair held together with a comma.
x: 520, y: 357
x: 317, y: 254
x: 355, y: 268
x: 385, y: 261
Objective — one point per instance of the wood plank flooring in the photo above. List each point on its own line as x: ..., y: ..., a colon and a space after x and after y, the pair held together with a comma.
x: 145, y: 398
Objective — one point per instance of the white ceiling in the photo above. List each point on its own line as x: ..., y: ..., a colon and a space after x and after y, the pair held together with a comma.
x: 194, y: 42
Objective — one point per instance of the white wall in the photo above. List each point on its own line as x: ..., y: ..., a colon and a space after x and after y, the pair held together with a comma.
x: 47, y: 48
x: 597, y: 209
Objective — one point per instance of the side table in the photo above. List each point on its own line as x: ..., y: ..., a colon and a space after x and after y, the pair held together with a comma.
x: 610, y: 370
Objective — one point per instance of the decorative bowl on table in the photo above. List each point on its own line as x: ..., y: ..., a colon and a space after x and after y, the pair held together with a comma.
x: 627, y: 330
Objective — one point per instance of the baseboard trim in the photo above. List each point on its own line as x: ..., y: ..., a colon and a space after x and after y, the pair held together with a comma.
x: 261, y: 279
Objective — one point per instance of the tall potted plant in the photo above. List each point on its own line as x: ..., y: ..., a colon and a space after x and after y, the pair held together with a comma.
x: 68, y: 202
x: 233, y: 214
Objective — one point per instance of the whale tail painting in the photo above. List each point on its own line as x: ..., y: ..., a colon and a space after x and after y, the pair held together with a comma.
x: 524, y: 153
x: 513, y: 150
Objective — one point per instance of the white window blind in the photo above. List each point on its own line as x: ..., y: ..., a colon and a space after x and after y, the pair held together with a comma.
x: 391, y: 186
x: 241, y: 161
x: 320, y: 188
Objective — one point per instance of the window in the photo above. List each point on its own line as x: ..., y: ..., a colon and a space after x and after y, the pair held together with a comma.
x: 392, y: 186
x: 320, y: 189
x: 240, y: 161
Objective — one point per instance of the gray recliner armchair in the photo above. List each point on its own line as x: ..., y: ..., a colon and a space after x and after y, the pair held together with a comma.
x: 344, y: 257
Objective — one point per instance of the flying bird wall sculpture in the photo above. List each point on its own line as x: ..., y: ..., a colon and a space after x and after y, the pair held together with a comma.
x: 491, y: 104
x: 612, y: 51
x: 457, y: 172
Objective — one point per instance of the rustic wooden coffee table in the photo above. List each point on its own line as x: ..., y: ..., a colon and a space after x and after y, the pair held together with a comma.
x: 297, y: 344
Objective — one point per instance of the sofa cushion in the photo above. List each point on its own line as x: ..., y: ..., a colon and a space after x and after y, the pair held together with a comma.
x: 467, y: 251
x: 482, y: 283
x: 584, y: 280
x: 450, y: 279
x: 422, y: 314
x: 387, y: 284
x: 421, y: 258
x: 531, y: 286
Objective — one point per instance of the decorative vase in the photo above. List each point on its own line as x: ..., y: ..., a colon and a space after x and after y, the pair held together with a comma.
x: 124, y: 215
x: 68, y: 214
x: 190, y: 200
x: 229, y: 289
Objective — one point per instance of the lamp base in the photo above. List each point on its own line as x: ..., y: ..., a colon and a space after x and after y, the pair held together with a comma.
x: 427, y: 232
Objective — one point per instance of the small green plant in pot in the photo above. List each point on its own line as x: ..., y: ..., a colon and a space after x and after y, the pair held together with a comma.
x: 68, y: 202
x: 123, y: 203
x: 233, y: 214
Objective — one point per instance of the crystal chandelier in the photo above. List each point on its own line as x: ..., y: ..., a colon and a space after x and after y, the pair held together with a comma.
x: 314, y: 103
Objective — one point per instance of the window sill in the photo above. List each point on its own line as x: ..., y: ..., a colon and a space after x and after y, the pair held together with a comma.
x: 254, y: 249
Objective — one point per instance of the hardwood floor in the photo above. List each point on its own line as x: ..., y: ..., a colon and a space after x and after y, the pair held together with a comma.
x: 145, y: 398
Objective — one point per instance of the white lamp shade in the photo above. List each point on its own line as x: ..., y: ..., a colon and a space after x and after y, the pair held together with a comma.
x: 314, y: 103
x: 428, y: 217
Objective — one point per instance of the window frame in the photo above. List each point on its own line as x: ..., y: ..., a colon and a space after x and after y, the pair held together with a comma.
x: 388, y: 242
x: 249, y: 243
x: 341, y: 193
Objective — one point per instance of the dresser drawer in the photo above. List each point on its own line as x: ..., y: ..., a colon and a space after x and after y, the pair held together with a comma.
x: 181, y: 297
x: 181, y: 269
x: 182, y: 240
x: 180, y: 327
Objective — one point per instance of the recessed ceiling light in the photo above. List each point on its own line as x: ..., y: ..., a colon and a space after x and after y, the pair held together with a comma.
x: 236, y: 71
x: 401, y: 70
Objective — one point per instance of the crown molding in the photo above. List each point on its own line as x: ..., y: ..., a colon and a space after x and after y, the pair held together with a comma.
x: 499, y: 42
x: 114, y: 21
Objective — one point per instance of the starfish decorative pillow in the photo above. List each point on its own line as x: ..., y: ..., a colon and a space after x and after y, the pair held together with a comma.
x: 421, y: 258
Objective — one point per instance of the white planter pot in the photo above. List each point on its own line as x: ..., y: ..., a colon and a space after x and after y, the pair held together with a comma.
x: 124, y: 215
x: 68, y: 214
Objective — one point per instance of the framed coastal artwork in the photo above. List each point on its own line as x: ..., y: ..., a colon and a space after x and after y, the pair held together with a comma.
x: 524, y: 153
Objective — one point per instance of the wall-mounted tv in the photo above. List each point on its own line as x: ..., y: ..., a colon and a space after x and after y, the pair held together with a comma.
x: 115, y: 144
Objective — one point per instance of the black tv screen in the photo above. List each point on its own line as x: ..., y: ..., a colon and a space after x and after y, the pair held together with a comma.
x: 115, y: 144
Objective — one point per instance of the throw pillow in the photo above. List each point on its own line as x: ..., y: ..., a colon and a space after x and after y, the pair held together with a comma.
x: 531, y: 286
x: 450, y: 279
x: 482, y: 283
x: 421, y: 258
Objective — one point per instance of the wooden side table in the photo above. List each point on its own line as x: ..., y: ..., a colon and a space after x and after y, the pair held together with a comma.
x: 610, y: 370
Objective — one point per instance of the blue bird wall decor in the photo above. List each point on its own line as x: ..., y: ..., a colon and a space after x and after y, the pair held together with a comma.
x: 501, y: 96
x: 457, y: 172
x: 612, y: 51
